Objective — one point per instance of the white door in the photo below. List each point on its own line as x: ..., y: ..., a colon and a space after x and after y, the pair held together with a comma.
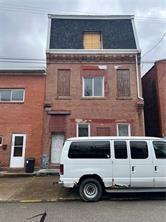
x: 141, y: 162
x: 121, y: 165
x: 17, y: 158
x: 56, y: 147
x: 159, y: 148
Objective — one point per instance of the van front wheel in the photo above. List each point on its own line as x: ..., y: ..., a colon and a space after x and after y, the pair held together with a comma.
x: 90, y: 190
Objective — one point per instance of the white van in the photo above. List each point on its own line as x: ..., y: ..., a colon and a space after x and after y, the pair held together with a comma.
x: 113, y: 164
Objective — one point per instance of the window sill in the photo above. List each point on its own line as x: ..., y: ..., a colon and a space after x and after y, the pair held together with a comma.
x: 64, y: 98
x: 93, y: 98
x: 124, y: 98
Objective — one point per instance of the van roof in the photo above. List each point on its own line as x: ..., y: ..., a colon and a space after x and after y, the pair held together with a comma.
x: 114, y: 138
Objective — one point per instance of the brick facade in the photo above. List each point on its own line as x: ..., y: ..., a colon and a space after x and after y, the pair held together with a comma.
x: 100, y: 113
x: 154, y: 91
x: 22, y: 118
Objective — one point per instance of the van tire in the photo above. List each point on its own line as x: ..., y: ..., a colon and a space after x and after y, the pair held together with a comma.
x: 90, y: 190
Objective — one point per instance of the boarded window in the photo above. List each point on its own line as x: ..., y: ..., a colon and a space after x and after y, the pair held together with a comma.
x: 103, y: 131
x: 92, y: 40
x: 123, y: 83
x: 63, y: 83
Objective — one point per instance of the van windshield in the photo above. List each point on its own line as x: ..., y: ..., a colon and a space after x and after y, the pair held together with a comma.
x: 160, y: 149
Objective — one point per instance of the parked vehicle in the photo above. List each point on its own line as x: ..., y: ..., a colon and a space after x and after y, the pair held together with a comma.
x: 113, y: 164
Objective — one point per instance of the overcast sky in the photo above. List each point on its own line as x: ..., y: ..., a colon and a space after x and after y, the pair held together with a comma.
x: 23, y: 26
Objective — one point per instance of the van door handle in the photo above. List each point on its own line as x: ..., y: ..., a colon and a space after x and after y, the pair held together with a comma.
x: 155, y: 168
x: 133, y: 168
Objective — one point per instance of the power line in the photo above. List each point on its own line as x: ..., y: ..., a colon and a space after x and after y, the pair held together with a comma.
x: 11, y: 58
x: 44, y: 11
x: 39, y: 61
x: 154, y: 45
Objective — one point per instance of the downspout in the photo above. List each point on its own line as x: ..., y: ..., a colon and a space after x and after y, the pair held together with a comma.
x: 138, y: 83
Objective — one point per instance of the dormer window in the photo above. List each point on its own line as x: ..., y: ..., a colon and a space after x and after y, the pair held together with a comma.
x: 92, y: 40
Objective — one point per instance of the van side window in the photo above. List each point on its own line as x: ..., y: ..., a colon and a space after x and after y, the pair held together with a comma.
x: 120, y: 150
x: 90, y: 150
x: 160, y: 149
x: 139, y: 149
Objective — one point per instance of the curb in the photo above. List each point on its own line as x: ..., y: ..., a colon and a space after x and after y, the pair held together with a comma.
x: 12, y: 175
x: 61, y: 199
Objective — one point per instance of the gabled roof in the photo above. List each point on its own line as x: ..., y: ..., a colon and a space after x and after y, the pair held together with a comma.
x: 66, y: 32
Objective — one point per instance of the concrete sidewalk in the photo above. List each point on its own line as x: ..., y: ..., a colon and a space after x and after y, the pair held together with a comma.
x: 34, y: 189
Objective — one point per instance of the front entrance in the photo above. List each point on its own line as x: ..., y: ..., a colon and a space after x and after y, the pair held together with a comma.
x: 56, y: 147
x: 18, y: 151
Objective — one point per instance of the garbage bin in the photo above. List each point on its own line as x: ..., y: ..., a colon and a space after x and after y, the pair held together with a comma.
x: 30, y: 165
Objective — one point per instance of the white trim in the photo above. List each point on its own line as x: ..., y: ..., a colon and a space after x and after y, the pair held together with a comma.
x: 137, y: 74
x: 12, y: 149
x: 23, y: 69
x: 12, y: 90
x: 91, y: 16
x: 125, y: 124
x: 1, y: 144
x: 93, y: 51
x: 81, y: 123
x: 48, y: 33
x: 83, y: 84
x: 135, y: 35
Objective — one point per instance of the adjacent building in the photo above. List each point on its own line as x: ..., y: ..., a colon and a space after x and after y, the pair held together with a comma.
x: 21, y: 116
x: 154, y: 93
x: 93, y: 84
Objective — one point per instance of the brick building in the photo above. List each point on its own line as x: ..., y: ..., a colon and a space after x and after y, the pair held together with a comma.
x: 21, y: 116
x: 154, y: 93
x: 93, y: 84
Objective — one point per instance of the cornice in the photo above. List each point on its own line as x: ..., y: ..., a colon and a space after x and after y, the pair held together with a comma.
x: 86, y: 58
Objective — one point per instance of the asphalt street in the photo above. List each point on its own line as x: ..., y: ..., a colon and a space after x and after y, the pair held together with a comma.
x: 71, y: 211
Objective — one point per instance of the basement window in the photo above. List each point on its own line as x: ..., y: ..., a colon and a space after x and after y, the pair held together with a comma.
x: 83, y: 129
x: 123, y: 129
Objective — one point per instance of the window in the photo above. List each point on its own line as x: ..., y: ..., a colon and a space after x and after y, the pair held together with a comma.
x: 83, y: 130
x: 90, y: 150
x: 123, y: 83
x: 63, y: 83
x: 1, y: 140
x: 93, y: 87
x: 139, y: 150
x: 120, y: 149
x: 92, y: 40
x: 11, y: 95
x: 160, y: 149
x: 123, y: 129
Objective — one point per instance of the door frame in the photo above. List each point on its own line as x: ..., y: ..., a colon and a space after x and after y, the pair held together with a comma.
x: 12, y: 149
